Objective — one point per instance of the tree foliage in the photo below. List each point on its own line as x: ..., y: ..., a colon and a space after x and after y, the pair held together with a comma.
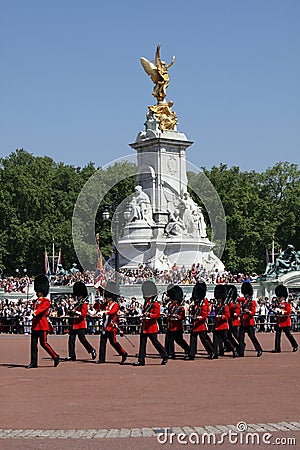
x: 38, y: 196
x: 258, y: 207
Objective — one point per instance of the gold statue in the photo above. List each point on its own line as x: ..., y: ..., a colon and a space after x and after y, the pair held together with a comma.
x: 160, y: 77
x: 159, y: 74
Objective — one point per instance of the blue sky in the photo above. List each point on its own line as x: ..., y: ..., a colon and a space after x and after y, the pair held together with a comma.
x: 72, y: 86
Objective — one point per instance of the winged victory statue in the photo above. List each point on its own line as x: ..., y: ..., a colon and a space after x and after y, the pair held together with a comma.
x: 160, y: 77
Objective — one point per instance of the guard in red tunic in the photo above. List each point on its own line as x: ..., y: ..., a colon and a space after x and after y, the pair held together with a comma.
x: 110, y: 323
x: 283, y: 323
x: 248, y: 309
x: 176, y: 316
x: 40, y: 325
x: 151, y: 312
x: 78, y: 327
x: 221, y: 322
x: 235, y: 315
x: 199, y: 313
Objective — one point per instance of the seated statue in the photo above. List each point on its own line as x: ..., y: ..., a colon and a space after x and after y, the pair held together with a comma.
x: 140, y: 207
x: 286, y: 261
x: 175, y: 226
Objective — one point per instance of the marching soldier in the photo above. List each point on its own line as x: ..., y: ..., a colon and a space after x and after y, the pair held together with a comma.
x: 235, y: 315
x: 110, y: 323
x: 248, y: 309
x: 78, y: 327
x: 175, y: 317
x: 200, y: 312
x: 151, y: 313
x: 283, y: 323
x: 40, y: 325
x: 221, y: 323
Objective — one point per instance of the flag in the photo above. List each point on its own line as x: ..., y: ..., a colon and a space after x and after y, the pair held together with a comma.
x: 267, y: 256
x: 59, y: 261
x: 46, y: 264
x: 98, y: 273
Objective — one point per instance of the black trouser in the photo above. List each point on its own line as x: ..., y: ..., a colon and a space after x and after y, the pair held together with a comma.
x: 287, y: 331
x: 153, y: 338
x: 42, y: 336
x: 205, y: 340
x: 176, y: 336
x: 80, y: 332
x: 251, y: 333
x: 221, y: 336
x: 112, y: 337
x: 233, y: 336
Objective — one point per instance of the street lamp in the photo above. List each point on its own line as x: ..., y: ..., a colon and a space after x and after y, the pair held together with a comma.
x: 106, y: 216
x: 20, y: 271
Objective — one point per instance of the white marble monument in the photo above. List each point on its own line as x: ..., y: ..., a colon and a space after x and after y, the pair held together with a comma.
x: 163, y: 224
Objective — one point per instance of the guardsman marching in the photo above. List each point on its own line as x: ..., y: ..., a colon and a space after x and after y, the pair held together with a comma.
x: 78, y: 327
x: 199, y: 313
x: 151, y: 313
x: 40, y: 325
x: 175, y: 318
x: 221, y: 323
x: 235, y: 315
x: 110, y: 323
x: 248, y: 309
x: 283, y: 323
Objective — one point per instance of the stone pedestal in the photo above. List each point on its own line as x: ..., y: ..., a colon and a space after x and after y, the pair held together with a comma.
x: 175, y: 231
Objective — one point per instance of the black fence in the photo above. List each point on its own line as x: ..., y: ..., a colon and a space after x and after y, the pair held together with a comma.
x: 130, y: 325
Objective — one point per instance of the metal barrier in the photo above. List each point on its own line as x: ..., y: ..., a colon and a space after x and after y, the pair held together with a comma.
x: 130, y: 324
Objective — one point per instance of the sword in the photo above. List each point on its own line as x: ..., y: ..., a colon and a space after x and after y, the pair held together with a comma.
x: 122, y: 333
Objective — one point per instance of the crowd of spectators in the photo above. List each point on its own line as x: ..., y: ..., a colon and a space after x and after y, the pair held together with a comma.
x: 16, y: 317
x: 176, y: 275
x: 15, y: 284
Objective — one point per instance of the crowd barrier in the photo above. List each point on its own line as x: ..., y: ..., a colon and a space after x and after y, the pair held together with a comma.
x: 130, y: 325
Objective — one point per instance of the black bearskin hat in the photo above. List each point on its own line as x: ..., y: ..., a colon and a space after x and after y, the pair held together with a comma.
x: 199, y: 291
x: 41, y: 284
x: 149, y: 289
x: 80, y: 289
x: 281, y: 291
x: 175, y: 293
x: 247, y: 288
x: 231, y: 288
x: 169, y: 288
x: 111, y: 290
x: 220, y: 291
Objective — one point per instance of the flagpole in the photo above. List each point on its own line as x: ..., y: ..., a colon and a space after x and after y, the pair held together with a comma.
x: 273, y: 250
x: 53, y: 255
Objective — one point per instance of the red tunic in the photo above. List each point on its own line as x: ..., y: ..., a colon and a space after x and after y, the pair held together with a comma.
x: 40, y: 319
x: 149, y: 325
x: 200, y: 321
x: 235, y: 314
x: 221, y: 323
x: 111, y: 311
x: 284, y: 318
x: 175, y: 318
x: 79, y: 318
x: 248, y: 317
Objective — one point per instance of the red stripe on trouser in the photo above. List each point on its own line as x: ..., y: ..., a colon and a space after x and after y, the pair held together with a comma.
x: 118, y: 346
x: 47, y: 346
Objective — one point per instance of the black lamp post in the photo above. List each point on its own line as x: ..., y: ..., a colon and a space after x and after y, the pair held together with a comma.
x: 21, y: 271
x: 106, y: 216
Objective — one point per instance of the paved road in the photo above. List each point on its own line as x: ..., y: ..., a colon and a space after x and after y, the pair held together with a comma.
x: 112, y: 400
